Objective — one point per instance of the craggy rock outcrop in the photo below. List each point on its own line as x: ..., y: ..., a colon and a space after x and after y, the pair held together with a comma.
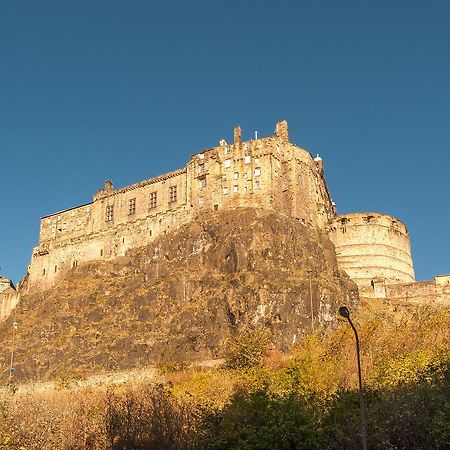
x: 181, y: 297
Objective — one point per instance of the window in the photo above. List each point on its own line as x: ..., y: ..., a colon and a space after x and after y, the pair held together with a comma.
x: 256, y: 184
x: 201, y: 168
x: 202, y: 182
x: 43, y: 272
x: 132, y: 206
x: 226, y: 151
x: 235, y: 175
x: 225, y: 190
x: 227, y: 163
x: 74, y: 263
x: 224, y: 178
x: 56, y: 268
x: 109, y: 213
x: 201, y: 156
x: 152, y: 199
x: 235, y: 188
x: 172, y: 194
x: 256, y: 160
x: 247, y: 159
x: 257, y: 171
x: 101, y: 252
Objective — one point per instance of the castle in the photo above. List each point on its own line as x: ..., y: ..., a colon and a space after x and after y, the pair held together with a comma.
x: 270, y: 172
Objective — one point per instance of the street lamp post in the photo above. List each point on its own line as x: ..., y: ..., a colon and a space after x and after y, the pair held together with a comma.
x: 344, y: 312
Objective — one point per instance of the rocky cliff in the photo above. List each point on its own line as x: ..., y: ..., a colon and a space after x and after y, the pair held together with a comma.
x: 181, y: 297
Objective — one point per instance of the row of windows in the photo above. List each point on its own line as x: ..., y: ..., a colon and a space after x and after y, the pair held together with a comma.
x: 225, y: 190
x: 236, y: 175
x: 247, y: 160
x: 153, y: 198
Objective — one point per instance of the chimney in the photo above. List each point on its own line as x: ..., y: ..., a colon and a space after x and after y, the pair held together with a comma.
x: 237, y: 135
x: 108, y: 186
x: 281, y: 130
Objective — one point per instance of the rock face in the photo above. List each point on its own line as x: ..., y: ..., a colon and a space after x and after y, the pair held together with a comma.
x: 180, y: 298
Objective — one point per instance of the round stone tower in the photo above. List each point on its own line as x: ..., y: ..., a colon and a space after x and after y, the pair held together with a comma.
x: 371, y: 246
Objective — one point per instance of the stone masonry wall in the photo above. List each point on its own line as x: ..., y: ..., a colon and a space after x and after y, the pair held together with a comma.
x: 269, y: 173
x: 371, y: 245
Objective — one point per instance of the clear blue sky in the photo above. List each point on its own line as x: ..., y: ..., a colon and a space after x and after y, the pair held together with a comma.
x: 127, y: 90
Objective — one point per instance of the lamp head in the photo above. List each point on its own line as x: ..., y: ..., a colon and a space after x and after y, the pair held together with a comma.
x: 344, y: 312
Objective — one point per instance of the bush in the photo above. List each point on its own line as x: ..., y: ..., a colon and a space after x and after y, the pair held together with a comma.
x: 247, y: 348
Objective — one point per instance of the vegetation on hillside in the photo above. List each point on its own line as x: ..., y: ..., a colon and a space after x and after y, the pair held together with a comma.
x: 263, y: 399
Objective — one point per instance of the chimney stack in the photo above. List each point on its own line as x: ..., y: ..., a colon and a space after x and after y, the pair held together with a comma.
x: 281, y: 130
x: 237, y: 135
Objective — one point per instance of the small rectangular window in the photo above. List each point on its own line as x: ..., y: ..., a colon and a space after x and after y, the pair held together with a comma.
x: 56, y: 268
x: 132, y: 206
x: 247, y: 159
x: 226, y: 151
x: 201, y: 168
x: 202, y: 182
x: 235, y: 175
x: 227, y: 163
x: 257, y: 185
x: 224, y: 178
x: 256, y: 160
x: 109, y: 213
x: 225, y: 190
x: 43, y: 272
x: 235, y: 188
x: 152, y: 199
x: 172, y: 194
x: 257, y: 171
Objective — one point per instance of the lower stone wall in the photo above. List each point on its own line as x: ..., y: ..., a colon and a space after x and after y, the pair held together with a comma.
x: 423, y: 292
x: 8, y: 301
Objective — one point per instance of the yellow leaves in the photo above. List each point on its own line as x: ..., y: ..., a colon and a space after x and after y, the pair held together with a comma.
x: 423, y: 365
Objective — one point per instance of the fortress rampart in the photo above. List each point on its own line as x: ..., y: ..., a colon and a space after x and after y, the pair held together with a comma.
x: 270, y: 173
x: 372, y: 245
x: 9, y: 297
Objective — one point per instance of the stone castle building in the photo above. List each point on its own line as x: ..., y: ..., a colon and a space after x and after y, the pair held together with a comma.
x: 270, y: 173
x: 9, y: 297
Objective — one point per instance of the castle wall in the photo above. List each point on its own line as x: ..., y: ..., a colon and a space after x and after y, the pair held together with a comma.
x: 435, y: 291
x: 8, y: 301
x: 269, y: 173
x: 9, y: 298
x: 369, y: 246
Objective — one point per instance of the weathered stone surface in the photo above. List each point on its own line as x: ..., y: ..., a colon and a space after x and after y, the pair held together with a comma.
x: 181, y: 296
